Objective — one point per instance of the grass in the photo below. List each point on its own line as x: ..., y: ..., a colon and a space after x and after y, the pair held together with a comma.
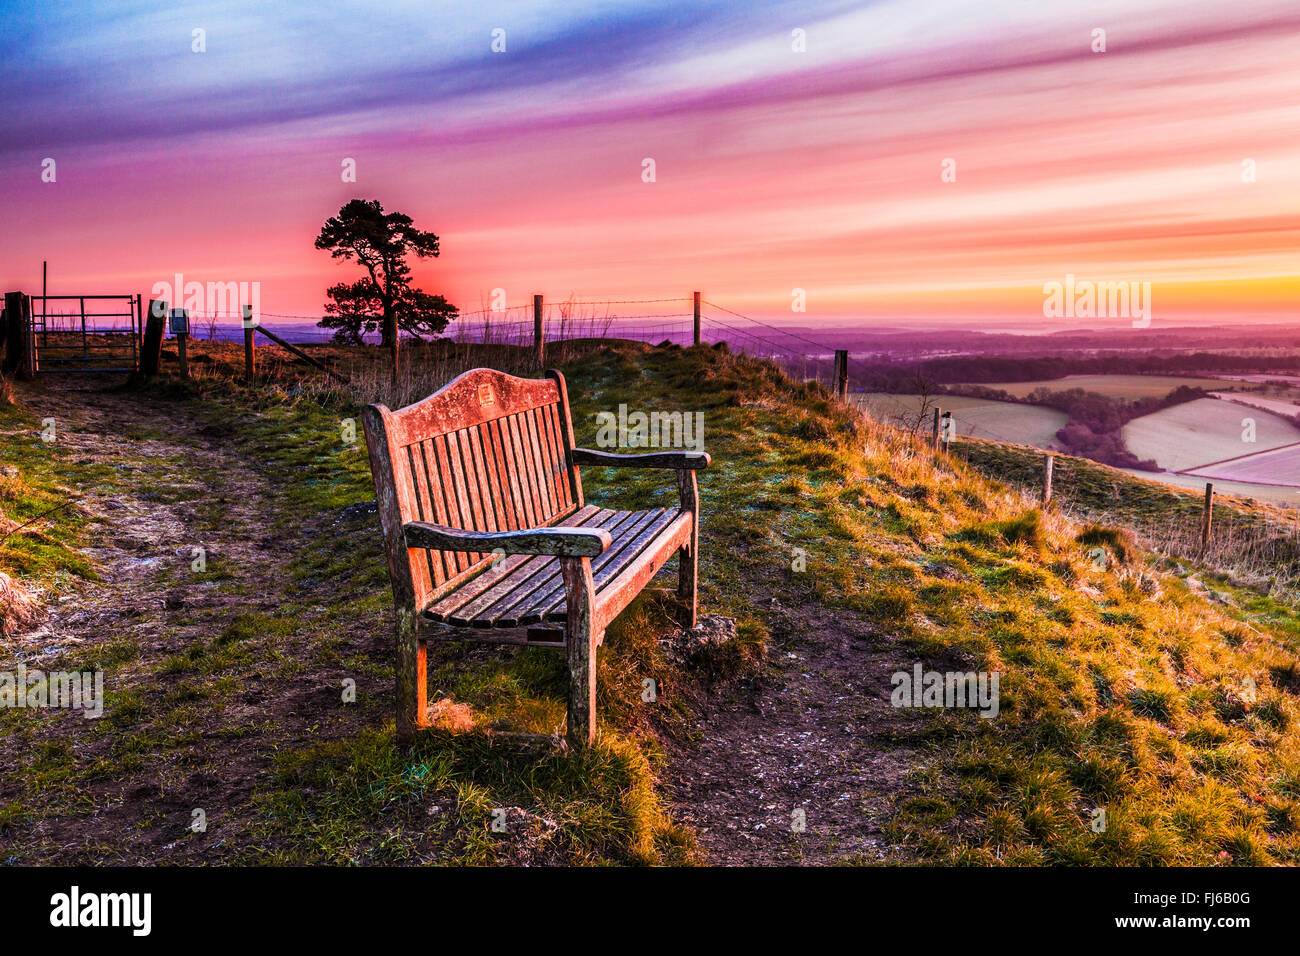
x: 1125, y: 687
x: 34, y: 480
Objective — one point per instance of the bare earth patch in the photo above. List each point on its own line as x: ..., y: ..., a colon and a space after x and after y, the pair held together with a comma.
x: 815, y: 733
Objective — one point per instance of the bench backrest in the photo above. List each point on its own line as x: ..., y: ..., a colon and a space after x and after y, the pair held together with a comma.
x: 486, y: 452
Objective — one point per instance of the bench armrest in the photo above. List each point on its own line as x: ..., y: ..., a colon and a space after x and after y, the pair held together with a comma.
x: 565, y: 542
x: 678, y: 460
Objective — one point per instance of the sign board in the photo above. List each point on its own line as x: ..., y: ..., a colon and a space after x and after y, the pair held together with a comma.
x: 178, y: 322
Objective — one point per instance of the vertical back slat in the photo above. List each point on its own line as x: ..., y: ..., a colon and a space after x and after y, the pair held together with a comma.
x: 559, y: 477
x: 429, y: 471
x: 430, y: 568
x: 501, y: 432
x: 469, y: 478
x: 546, y: 491
x: 437, y: 446
x: 459, y: 487
x: 526, y: 490
x: 486, y: 478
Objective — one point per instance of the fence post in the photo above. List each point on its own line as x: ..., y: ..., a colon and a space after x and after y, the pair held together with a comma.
x: 1208, y: 517
x: 696, y: 297
x: 16, y: 360
x: 1049, y: 463
x: 947, y: 429
x: 180, y: 351
x: 539, y: 345
x: 938, y: 413
x: 250, y: 359
x: 842, y: 374
x: 151, y: 351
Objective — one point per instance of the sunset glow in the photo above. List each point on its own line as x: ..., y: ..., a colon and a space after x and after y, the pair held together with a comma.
x: 775, y: 169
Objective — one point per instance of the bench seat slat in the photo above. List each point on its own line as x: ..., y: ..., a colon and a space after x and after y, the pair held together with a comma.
x: 542, y: 574
x: 517, y: 575
x: 619, y: 552
x: 528, y: 589
x: 493, y: 573
x: 644, y: 537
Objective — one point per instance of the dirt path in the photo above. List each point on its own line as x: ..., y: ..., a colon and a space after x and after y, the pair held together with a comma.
x: 176, y: 478
x: 802, y: 766
x: 161, y: 486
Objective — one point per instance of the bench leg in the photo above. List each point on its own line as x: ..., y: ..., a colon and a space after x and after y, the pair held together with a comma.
x: 688, y: 554
x: 580, y: 645
x: 412, y: 694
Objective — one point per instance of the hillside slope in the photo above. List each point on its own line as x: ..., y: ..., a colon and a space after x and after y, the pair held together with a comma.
x: 847, y: 554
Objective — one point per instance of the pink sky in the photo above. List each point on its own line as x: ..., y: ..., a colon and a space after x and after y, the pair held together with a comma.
x: 775, y: 169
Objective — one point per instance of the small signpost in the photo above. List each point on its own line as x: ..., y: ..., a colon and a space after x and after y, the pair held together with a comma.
x: 250, y: 358
x: 178, y: 323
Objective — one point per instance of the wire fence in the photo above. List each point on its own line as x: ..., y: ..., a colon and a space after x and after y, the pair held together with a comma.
x: 655, y: 321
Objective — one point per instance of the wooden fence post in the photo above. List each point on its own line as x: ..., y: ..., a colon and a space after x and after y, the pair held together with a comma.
x: 696, y: 297
x: 938, y: 413
x: 180, y: 351
x: 1049, y: 465
x: 151, y: 351
x: 1208, y: 517
x: 250, y: 359
x: 17, y: 357
x: 539, y: 344
x: 842, y: 374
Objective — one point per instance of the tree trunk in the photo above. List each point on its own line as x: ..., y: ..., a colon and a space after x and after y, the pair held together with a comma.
x: 391, y: 337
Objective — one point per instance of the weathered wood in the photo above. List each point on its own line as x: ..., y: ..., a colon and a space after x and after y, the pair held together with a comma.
x: 393, y: 495
x: 681, y: 460
x: 151, y: 350
x: 565, y: 422
x: 250, y: 347
x: 1049, y: 465
x: 938, y: 414
x: 539, y: 342
x: 631, y: 579
x: 566, y: 542
x: 15, y: 337
x: 1207, y: 515
x: 514, y: 600
x: 633, y: 534
x: 487, y: 537
x: 696, y: 297
x: 688, y: 555
x: 180, y: 354
x: 580, y: 640
x: 842, y: 374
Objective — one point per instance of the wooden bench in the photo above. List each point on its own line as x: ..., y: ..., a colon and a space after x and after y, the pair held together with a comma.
x: 488, y: 537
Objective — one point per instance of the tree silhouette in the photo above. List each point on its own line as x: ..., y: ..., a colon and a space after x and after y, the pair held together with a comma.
x: 383, y: 299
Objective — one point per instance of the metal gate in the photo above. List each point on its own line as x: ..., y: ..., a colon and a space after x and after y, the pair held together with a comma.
x: 84, y: 333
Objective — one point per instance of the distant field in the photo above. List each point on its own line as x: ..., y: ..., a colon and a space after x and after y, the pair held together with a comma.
x: 1115, y: 386
x: 1204, y: 431
x: 1275, y: 405
x: 997, y: 421
x: 1279, y: 467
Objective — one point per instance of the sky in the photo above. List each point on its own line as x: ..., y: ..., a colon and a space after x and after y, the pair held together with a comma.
x: 938, y: 160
